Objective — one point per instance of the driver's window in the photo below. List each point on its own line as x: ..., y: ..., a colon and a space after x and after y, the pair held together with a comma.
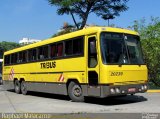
x: 92, y: 52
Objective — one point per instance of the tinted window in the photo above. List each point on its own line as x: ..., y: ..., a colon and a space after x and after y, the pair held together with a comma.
x: 59, y: 49
x: 134, y: 49
x: 43, y: 52
x: 32, y: 55
x: 14, y: 58
x: 69, y: 47
x: 78, y: 46
x: 118, y: 48
x: 22, y: 56
x: 92, y: 54
x: 7, y: 59
x: 74, y: 46
x: 53, y: 51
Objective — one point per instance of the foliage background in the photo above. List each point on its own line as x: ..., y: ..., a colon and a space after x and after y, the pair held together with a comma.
x: 150, y: 40
x: 4, y: 46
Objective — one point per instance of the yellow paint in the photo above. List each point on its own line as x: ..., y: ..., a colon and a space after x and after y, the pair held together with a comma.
x: 153, y: 91
x: 131, y: 74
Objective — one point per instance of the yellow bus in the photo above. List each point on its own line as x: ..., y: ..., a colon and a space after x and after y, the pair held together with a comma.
x: 94, y: 61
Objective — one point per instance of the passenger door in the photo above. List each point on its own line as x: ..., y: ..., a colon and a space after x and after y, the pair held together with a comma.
x: 93, y: 66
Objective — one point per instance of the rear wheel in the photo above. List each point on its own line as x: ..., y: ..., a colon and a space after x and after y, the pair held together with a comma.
x: 23, y: 88
x: 17, y: 86
x: 75, y: 92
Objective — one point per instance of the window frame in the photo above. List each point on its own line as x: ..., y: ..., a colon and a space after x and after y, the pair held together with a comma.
x: 82, y: 47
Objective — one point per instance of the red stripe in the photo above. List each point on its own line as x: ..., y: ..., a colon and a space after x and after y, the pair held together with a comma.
x: 61, y: 78
x: 11, y: 75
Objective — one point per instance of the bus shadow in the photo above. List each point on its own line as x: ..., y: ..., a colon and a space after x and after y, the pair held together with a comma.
x: 44, y: 95
x: 49, y: 95
x: 109, y: 101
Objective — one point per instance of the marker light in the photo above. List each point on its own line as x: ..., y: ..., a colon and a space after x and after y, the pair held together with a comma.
x: 112, y: 91
x: 117, y: 90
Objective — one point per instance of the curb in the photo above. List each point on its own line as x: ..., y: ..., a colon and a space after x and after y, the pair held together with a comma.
x: 153, y: 91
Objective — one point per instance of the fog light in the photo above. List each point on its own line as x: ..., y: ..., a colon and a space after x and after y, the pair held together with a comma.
x: 123, y: 91
x: 112, y: 91
x: 145, y: 87
x: 117, y: 90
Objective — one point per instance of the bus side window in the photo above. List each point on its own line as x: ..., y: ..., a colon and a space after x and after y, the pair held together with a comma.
x: 20, y: 59
x: 53, y: 51
x: 78, y: 46
x: 24, y: 58
x: 29, y: 55
x: 34, y: 57
x: 45, y: 51
x: 59, y: 49
x: 40, y: 53
x: 14, y: 58
x: 7, y: 59
x: 68, y: 47
x: 74, y: 47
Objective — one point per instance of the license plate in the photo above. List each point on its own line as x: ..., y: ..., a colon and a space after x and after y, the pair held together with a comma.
x: 132, y: 90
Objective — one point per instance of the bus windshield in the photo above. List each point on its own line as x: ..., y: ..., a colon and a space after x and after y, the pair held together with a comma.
x: 118, y: 48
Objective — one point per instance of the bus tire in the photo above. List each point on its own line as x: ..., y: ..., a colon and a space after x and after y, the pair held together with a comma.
x: 17, y: 87
x: 24, y: 88
x: 75, y: 92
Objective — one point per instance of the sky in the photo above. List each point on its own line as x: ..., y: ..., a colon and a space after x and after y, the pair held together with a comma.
x: 36, y: 19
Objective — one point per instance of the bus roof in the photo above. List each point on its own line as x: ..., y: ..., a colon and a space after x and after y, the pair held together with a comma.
x: 84, y: 31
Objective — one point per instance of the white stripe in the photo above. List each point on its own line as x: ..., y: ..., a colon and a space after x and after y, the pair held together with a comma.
x: 62, y: 78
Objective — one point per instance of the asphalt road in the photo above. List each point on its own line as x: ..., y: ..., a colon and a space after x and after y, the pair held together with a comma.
x: 34, y: 102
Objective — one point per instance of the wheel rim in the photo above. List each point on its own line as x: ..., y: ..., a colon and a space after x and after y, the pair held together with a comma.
x: 23, y: 87
x: 77, y: 91
x: 17, y: 86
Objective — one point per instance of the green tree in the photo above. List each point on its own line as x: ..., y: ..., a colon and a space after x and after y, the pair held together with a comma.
x: 5, y: 46
x: 67, y: 28
x: 150, y: 39
x: 106, y: 9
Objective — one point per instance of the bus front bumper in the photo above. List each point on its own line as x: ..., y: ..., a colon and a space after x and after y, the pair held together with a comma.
x: 115, y: 90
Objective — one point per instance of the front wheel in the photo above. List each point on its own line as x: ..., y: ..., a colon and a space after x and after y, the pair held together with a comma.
x: 75, y: 92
